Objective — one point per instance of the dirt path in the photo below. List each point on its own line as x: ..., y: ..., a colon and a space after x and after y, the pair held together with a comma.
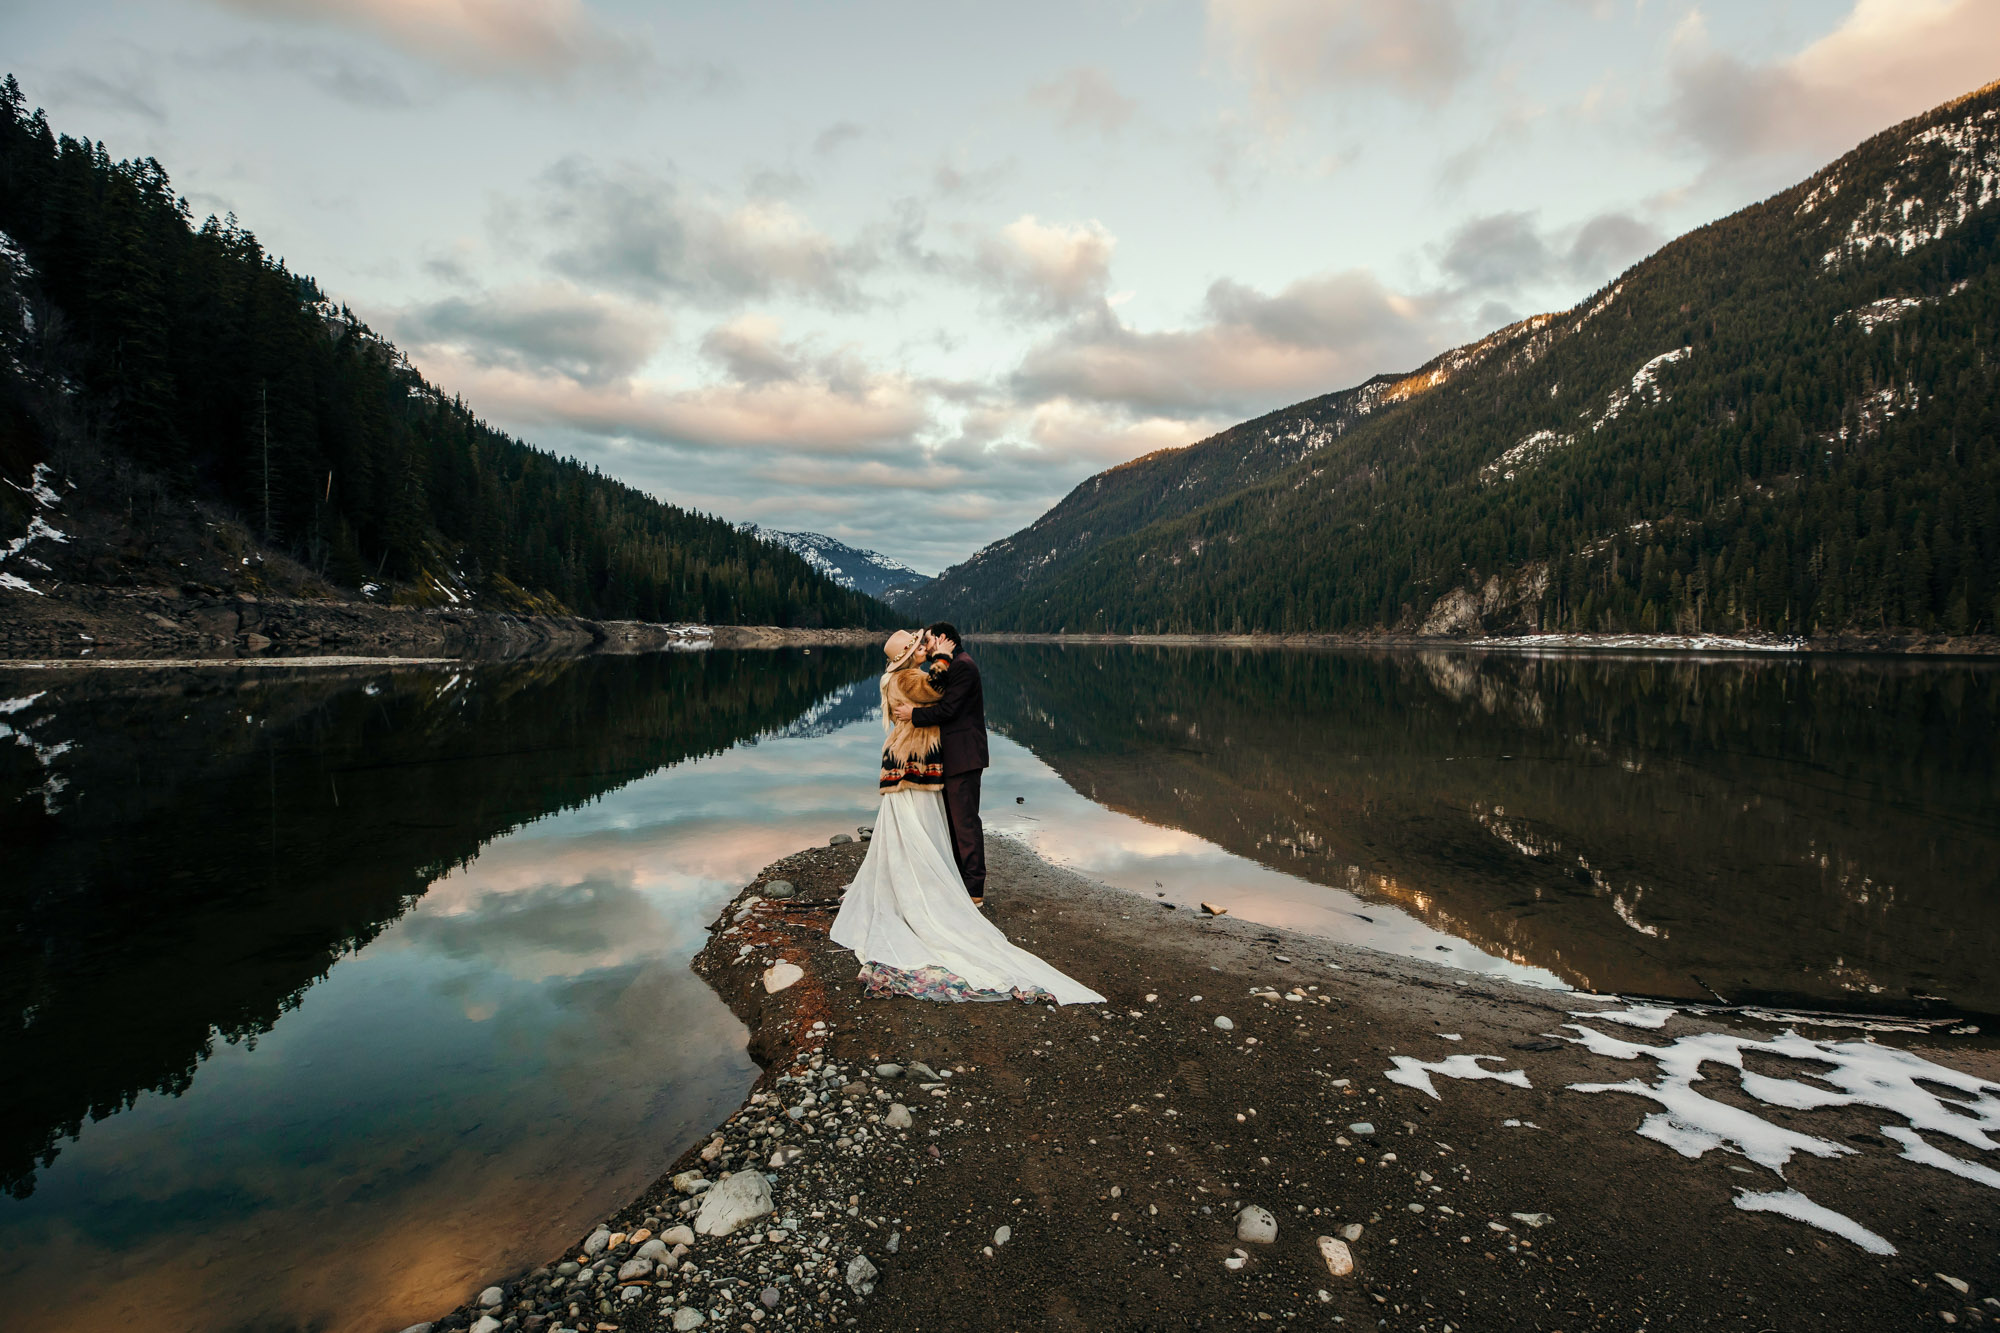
x: 1119, y: 1143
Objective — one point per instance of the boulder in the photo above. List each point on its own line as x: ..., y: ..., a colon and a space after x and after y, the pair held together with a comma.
x: 737, y: 1201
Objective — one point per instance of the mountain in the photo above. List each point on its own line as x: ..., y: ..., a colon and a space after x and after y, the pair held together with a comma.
x: 178, y: 408
x: 1783, y: 421
x: 868, y: 572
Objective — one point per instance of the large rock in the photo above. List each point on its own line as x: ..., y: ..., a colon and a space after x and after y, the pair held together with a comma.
x: 779, y: 976
x: 632, y: 1268
x: 486, y: 1323
x: 491, y: 1297
x: 1256, y: 1225
x: 597, y: 1241
x: 861, y: 1275
x: 680, y: 1235
x: 743, y: 1198
x: 898, y: 1117
x: 688, y: 1317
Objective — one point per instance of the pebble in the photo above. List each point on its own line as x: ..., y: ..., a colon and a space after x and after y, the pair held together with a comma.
x: 687, y: 1182
x: 486, y: 1323
x: 840, y: 840
x: 1256, y: 1225
x: 1339, y: 1259
x: 898, y: 1117
x: 889, y: 1071
x: 1956, y: 1284
x: 491, y: 1297
x: 418, y: 1328
x: 680, y: 1235
x: 1224, y: 1022
x: 1416, y: 1207
x: 923, y: 1070
x: 601, y: 1238
x: 1352, y: 1232
x: 688, y: 1317
x: 779, y: 976
x: 770, y: 1297
x: 1236, y: 1261
x: 1002, y: 1235
x: 654, y: 1249
x: 779, y: 888
x: 895, y: 1242
x: 784, y: 1157
x: 1532, y: 1219
x: 632, y: 1268
x: 742, y: 1198
x: 861, y: 1275
x: 865, y: 832
x: 1361, y: 1127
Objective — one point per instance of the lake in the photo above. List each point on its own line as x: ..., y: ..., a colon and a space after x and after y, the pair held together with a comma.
x: 341, y: 992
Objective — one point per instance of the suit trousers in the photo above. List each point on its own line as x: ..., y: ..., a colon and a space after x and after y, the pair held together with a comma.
x: 968, y: 836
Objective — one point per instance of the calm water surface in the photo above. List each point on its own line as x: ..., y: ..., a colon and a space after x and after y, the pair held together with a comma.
x: 338, y: 994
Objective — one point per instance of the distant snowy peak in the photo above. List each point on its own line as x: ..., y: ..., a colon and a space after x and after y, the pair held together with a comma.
x: 867, y: 572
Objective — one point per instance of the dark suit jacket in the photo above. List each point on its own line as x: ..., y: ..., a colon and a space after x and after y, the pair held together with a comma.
x: 960, y: 716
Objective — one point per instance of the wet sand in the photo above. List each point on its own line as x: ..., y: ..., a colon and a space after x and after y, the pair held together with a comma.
x: 1119, y: 1143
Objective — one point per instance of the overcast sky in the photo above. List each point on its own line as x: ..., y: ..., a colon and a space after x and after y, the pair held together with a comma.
x: 905, y: 274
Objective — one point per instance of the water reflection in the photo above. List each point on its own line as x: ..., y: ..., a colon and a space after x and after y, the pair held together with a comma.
x: 340, y: 994
x: 503, y: 1051
x: 1804, y: 832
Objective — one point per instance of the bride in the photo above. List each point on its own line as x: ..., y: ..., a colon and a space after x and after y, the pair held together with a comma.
x: 907, y: 916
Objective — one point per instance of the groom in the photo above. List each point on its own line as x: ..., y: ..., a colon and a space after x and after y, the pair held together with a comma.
x: 960, y: 716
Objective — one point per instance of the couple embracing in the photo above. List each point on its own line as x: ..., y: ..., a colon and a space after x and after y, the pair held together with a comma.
x: 914, y: 914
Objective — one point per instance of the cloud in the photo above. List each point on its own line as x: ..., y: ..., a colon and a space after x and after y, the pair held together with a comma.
x: 336, y: 73
x: 1287, y: 50
x: 133, y: 93
x: 551, y: 329
x: 551, y: 39
x: 1250, y: 352
x: 632, y: 230
x: 1085, y: 99
x: 1509, y: 253
x: 773, y: 395
x: 1047, y: 269
x: 1887, y: 61
x: 836, y: 136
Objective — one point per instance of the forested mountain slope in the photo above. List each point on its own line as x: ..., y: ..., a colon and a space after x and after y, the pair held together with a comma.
x: 173, y: 382
x: 1783, y: 421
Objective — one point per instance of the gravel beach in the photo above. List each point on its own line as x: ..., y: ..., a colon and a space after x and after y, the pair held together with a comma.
x: 1262, y: 1128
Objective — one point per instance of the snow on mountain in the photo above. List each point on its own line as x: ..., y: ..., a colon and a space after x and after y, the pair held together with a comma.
x: 867, y: 572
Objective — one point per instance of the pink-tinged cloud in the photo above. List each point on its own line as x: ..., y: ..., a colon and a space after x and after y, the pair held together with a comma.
x: 1046, y: 268
x: 547, y: 38
x: 1288, y: 50
x: 1250, y: 352
x: 1887, y: 61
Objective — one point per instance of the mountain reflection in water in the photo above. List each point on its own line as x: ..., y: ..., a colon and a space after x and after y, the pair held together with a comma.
x: 207, y: 1124
x: 1799, y: 831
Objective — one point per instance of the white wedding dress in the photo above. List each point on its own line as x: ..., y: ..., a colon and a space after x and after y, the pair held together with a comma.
x: 908, y: 919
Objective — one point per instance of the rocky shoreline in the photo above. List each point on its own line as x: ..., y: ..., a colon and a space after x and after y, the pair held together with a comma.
x: 1845, y: 643
x: 82, y: 623
x: 1258, y: 1127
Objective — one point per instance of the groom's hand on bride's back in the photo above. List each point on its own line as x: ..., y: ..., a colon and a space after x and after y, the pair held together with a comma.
x: 901, y: 712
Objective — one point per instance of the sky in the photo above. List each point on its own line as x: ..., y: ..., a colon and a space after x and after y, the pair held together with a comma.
x: 906, y: 274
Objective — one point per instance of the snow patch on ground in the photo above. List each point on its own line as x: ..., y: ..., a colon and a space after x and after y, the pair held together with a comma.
x: 1414, y: 1073
x: 1900, y: 219
x: 1645, y: 387
x: 1856, y: 1074
x: 1638, y: 1016
x: 1888, y: 310
x: 1531, y: 450
x: 1708, y: 643
x: 1792, y: 1204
